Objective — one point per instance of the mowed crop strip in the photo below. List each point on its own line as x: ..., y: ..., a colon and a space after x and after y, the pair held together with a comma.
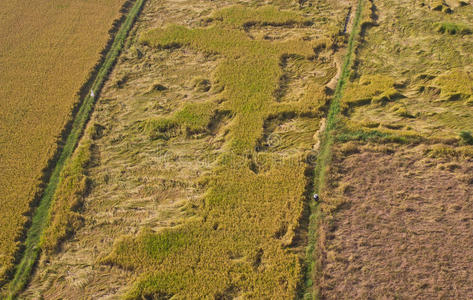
x: 48, y: 49
x: 396, y: 204
x: 226, y: 90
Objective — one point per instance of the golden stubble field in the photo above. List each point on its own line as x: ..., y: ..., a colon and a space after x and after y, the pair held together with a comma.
x: 47, y: 50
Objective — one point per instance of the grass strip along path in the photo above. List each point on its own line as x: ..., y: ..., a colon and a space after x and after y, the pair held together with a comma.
x: 324, y: 157
x: 32, y: 249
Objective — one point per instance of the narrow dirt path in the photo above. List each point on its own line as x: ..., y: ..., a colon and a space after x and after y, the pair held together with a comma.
x: 324, y: 157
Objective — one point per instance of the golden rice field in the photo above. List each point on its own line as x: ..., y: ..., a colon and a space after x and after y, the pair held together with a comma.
x: 47, y: 50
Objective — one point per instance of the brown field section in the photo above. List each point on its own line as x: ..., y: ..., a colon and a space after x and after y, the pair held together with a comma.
x: 47, y: 49
x: 404, y: 230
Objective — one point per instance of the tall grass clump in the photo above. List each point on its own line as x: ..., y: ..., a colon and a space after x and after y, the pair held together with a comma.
x: 453, y: 28
x: 370, y: 89
x: 192, y: 118
x: 455, y: 85
x: 466, y: 137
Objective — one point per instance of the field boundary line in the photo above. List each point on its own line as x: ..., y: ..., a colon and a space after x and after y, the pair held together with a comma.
x: 324, y: 158
x: 31, y: 244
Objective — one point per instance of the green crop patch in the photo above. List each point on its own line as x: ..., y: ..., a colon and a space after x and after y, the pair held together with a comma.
x: 191, y: 119
x: 452, y: 28
x: 455, y: 85
x: 249, y: 73
x: 371, y: 89
x: 63, y: 217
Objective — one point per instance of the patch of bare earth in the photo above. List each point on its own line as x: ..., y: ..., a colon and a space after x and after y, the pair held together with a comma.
x: 404, y: 230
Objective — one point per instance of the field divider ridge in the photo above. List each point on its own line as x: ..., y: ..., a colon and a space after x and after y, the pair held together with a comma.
x: 324, y: 158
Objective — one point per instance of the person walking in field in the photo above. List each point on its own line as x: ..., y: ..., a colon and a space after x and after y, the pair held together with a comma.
x: 92, y: 94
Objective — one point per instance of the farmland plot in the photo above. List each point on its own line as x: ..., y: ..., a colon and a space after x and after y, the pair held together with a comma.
x: 397, y: 198
x: 201, y: 171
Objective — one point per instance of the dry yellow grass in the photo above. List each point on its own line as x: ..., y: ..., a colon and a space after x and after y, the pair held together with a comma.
x: 47, y: 51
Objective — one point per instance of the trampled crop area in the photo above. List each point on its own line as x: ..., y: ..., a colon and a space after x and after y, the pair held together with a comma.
x: 47, y: 50
x: 201, y: 171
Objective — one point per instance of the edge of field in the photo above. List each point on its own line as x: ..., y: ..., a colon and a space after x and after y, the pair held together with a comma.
x: 324, y: 158
x: 70, y: 137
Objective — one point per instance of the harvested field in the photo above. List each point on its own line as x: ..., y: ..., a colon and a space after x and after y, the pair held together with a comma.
x: 403, y: 229
x: 48, y: 49
x: 199, y: 176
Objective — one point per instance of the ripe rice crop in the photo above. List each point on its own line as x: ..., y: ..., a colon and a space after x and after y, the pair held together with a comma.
x: 48, y: 49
